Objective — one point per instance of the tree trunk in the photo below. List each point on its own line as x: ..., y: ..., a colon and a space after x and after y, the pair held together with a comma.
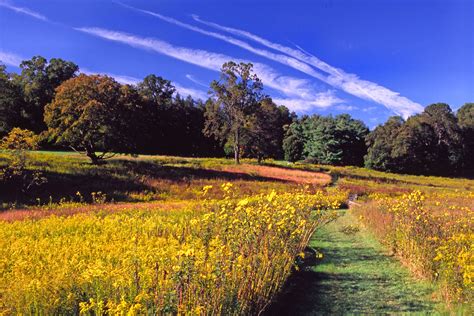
x: 237, y: 147
x: 91, y: 154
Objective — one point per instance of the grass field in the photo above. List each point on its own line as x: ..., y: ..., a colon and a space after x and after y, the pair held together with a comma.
x: 355, y: 276
x: 175, y: 235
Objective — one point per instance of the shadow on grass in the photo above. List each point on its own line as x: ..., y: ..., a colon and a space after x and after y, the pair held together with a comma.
x: 116, y: 179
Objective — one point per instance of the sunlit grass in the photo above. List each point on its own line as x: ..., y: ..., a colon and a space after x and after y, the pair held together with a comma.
x: 227, y: 257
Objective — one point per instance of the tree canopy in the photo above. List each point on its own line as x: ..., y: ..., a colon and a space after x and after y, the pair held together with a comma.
x: 427, y: 143
x: 38, y: 80
x: 465, y: 117
x: 93, y: 113
x: 338, y: 140
x: 11, y: 103
x: 380, y: 143
x: 237, y: 96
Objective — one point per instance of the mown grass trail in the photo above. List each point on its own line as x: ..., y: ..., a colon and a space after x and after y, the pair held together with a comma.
x: 354, y: 276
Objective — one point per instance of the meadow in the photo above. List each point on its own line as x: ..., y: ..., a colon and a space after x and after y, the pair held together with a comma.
x: 162, y: 235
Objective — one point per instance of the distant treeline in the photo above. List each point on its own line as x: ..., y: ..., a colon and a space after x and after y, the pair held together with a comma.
x: 434, y: 142
x: 95, y: 113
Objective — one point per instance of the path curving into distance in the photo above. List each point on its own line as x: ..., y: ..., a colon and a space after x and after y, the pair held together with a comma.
x: 355, y: 276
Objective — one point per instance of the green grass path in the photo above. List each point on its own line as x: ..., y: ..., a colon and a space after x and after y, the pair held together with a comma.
x: 355, y: 276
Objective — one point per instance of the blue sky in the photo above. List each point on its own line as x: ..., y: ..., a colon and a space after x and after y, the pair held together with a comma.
x: 372, y: 59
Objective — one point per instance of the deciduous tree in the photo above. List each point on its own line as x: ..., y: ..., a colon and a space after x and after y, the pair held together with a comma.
x: 236, y: 98
x: 465, y: 117
x: 380, y: 144
x: 264, y: 131
x: 429, y: 142
x: 94, y: 113
x: 330, y: 140
x: 37, y: 81
x: 11, y: 102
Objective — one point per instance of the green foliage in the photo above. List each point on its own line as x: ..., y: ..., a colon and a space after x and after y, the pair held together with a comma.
x: 15, y: 178
x: 329, y: 140
x: 156, y: 91
x: 10, y: 102
x: 293, y: 142
x: 153, y: 118
x: 173, y: 124
x: 237, y: 96
x: 465, y: 117
x: 321, y: 144
x: 427, y: 143
x: 380, y: 143
x: 38, y: 80
x: 293, y: 147
x: 263, y: 134
x: 94, y: 113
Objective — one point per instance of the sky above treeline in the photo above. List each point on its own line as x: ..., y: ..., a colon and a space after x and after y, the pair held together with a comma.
x: 371, y: 59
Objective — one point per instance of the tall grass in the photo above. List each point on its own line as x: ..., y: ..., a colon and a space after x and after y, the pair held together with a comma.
x: 432, y: 234
x: 229, y: 258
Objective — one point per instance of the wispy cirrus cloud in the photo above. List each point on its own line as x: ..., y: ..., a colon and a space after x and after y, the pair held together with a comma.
x: 322, y: 100
x: 369, y: 109
x: 124, y: 79
x: 195, y: 93
x: 283, y: 59
x: 345, y: 107
x: 349, y: 83
x: 196, y: 81
x: 302, y: 61
x: 10, y: 59
x: 296, y: 91
x: 290, y: 87
x: 34, y: 14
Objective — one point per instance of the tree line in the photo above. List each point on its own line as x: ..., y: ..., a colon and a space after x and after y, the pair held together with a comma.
x: 98, y: 116
x: 434, y: 142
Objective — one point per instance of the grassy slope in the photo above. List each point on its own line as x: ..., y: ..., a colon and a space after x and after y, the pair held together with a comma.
x: 354, y: 276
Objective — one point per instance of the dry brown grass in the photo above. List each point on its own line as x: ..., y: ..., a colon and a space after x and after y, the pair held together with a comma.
x: 75, y: 208
x: 281, y: 174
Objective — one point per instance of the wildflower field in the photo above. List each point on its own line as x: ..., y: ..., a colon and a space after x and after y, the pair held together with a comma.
x: 228, y: 254
x: 427, y: 222
x: 169, y: 235
x: 432, y: 233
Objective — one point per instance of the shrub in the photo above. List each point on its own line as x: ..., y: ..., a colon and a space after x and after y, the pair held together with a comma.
x: 15, y: 176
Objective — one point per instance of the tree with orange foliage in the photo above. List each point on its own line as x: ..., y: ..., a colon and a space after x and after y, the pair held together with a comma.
x: 94, y: 114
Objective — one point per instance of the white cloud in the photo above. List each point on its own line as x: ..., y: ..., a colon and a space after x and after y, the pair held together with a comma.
x: 196, y: 81
x: 344, y: 107
x: 289, y: 61
x: 289, y: 86
x: 196, y: 94
x: 26, y: 11
x: 322, y: 100
x: 350, y: 83
x: 369, y: 109
x: 123, y: 79
x: 10, y: 59
x: 119, y: 78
